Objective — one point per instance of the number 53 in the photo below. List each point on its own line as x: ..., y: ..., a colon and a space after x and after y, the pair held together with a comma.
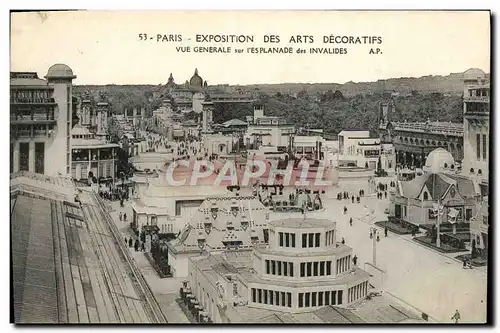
x: 143, y: 36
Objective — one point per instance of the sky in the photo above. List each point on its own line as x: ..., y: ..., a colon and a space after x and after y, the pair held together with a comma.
x: 104, y: 47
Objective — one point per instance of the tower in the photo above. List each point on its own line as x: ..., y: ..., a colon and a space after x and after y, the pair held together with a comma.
x: 476, y: 104
x: 61, y: 77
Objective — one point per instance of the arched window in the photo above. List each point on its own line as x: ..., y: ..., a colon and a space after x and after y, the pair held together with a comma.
x: 452, y: 167
x: 479, y: 172
x: 426, y: 196
x: 471, y: 170
x: 446, y: 165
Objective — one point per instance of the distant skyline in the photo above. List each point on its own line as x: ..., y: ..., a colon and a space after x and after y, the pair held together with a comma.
x: 104, y: 47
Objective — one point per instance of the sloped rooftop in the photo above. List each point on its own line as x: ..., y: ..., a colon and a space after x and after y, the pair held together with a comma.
x: 67, y: 266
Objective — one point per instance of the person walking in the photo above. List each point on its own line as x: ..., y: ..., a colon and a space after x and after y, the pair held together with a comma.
x: 125, y: 217
x: 121, y: 216
x: 350, y: 221
x: 355, y: 260
x: 378, y: 238
x: 343, y: 240
x: 456, y: 316
x: 385, y: 231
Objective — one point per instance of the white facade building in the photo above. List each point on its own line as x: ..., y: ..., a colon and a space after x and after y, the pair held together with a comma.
x: 302, y: 269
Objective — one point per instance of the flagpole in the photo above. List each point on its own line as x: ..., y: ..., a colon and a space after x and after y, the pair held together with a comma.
x: 438, y: 238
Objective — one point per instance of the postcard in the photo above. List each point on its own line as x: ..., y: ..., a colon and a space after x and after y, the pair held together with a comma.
x: 250, y: 167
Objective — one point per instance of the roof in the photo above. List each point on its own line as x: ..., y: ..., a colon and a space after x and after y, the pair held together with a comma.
x: 80, y: 130
x: 60, y: 71
x: 234, y: 122
x: 325, y: 315
x: 223, y: 221
x: 62, y: 260
x: 437, y: 185
x: 27, y: 82
x: 474, y: 74
x: 301, y: 223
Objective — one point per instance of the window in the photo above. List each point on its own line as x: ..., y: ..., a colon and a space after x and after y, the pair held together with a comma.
x: 478, y: 146
x: 265, y: 296
x: 277, y: 297
x: 313, y: 299
x: 281, y: 238
x: 318, y: 236
x: 327, y: 298
x: 254, y: 295
x: 426, y: 196
x: 271, y: 298
x: 301, y: 300
x: 484, y: 147
x: 302, y: 269
x: 273, y: 267
x: 268, y: 269
x: 24, y: 153
x: 334, y: 298
x: 287, y: 239
x: 39, y: 157
x: 278, y: 263
x: 329, y: 268
x: 339, y: 297
x: 311, y: 240
x: 259, y: 293
x: 283, y: 299
x: 320, y: 298
x: 326, y: 238
x: 309, y: 269
x: 293, y: 239
x: 315, y: 266
x: 322, y: 268
x: 289, y: 299
x: 308, y: 300
x: 291, y: 269
x: 285, y: 268
x: 304, y: 240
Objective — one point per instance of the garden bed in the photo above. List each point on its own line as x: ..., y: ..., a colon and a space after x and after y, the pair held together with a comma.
x: 477, y: 262
x: 394, y: 227
x: 445, y: 248
x: 155, y: 266
x: 447, y: 227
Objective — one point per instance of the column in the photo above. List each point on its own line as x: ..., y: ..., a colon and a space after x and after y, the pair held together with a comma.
x: 99, y: 164
x: 89, y: 164
x: 16, y: 156
x: 31, y: 157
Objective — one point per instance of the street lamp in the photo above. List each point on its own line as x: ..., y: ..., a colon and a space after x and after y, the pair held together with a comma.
x: 375, y: 239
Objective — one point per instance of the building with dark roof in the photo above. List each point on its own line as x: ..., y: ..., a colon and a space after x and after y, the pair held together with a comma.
x: 412, y: 201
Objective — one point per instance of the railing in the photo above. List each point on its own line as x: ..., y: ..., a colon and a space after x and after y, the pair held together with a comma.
x: 150, y: 298
x: 485, y: 99
x: 32, y: 101
x: 430, y: 127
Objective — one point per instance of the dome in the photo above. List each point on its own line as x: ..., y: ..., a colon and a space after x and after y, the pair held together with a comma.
x: 474, y: 74
x: 438, y: 160
x: 196, y: 80
x: 60, y: 71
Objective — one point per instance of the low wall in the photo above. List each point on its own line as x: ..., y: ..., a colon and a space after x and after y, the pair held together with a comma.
x: 377, y: 275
